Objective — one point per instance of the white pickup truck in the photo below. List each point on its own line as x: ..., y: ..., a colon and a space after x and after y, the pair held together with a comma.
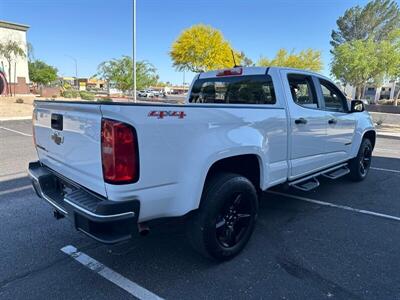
x: 113, y: 167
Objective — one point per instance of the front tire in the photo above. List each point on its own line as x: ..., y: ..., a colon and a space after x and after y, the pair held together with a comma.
x: 360, y: 165
x: 225, y: 220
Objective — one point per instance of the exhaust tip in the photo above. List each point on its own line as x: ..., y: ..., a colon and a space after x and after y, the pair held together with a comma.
x: 143, y: 229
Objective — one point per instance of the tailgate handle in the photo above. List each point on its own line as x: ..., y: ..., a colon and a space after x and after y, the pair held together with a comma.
x: 57, y: 121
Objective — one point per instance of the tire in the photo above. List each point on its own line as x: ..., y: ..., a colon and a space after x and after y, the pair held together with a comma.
x: 225, y: 220
x: 360, y: 165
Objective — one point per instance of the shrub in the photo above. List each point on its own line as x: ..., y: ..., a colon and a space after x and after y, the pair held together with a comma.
x: 86, y: 95
x: 19, y: 100
x: 70, y: 94
x: 104, y: 100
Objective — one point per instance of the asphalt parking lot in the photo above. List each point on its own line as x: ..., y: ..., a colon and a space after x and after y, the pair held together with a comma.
x: 341, y: 241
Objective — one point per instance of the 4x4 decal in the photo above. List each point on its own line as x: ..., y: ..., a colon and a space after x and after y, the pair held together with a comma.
x: 161, y: 114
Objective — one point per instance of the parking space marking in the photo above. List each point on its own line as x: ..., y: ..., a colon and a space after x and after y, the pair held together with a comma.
x: 386, y: 170
x: 105, y: 272
x: 15, y: 131
x: 361, y: 211
x: 19, y: 189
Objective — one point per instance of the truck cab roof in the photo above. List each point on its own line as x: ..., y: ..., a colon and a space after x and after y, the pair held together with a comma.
x: 243, y: 71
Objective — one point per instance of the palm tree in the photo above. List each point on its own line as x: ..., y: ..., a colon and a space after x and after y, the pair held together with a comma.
x: 11, y: 51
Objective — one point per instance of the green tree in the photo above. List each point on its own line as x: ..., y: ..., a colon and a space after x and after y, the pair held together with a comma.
x: 390, y: 58
x: 307, y: 59
x: 357, y: 63
x: 11, y: 50
x: 146, y: 75
x: 367, y: 61
x: 375, y: 21
x: 41, y: 73
x: 202, y: 48
x: 120, y: 73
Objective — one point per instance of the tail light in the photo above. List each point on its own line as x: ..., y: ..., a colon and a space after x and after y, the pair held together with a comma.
x: 119, y: 152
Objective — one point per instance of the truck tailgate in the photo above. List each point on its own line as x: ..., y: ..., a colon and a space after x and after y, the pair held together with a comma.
x: 68, y: 141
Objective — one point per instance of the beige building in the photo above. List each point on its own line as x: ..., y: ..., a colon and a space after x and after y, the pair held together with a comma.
x: 20, y: 79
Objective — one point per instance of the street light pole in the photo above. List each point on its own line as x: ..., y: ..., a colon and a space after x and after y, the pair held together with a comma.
x: 134, y: 51
x: 76, y: 69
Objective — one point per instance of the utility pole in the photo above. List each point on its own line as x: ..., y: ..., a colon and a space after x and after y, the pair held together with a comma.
x: 134, y: 51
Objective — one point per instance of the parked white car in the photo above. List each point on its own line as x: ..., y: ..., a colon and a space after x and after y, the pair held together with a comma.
x: 145, y: 94
x: 113, y: 167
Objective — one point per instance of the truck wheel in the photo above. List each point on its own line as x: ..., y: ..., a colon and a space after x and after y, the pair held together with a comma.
x: 224, y: 222
x: 360, y: 165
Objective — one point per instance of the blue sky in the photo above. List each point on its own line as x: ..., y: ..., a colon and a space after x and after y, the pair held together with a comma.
x: 96, y: 30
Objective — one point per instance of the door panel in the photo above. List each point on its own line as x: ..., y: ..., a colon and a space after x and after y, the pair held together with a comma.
x: 307, y: 124
x: 341, y: 124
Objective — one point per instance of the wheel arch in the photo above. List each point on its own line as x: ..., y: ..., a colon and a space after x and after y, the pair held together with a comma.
x: 371, y: 135
x: 247, y: 165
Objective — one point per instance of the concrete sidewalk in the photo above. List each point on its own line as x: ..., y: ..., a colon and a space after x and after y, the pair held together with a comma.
x: 388, y: 131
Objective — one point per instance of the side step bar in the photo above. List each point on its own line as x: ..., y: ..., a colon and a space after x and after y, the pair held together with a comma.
x: 311, y: 182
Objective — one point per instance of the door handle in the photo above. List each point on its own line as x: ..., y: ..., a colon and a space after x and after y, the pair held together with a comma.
x: 300, y: 121
x: 332, y: 121
x: 57, y: 121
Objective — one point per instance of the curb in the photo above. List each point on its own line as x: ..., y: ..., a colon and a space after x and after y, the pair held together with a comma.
x: 15, y: 118
x: 389, y: 136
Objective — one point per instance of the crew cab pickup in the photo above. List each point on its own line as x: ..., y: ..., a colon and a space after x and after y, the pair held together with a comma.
x: 113, y: 167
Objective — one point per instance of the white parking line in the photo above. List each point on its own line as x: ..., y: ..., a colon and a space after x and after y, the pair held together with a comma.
x: 361, y: 211
x: 19, y: 189
x: 390, y: 151
x: 386, y: 170
x: 105, y: 272
x: 16, y: 131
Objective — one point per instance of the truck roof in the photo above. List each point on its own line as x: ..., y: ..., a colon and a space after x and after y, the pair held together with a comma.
x: 252, y: 71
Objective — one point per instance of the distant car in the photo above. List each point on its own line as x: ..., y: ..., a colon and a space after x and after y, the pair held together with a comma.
x: 145, y: 94
x: 154, y: 92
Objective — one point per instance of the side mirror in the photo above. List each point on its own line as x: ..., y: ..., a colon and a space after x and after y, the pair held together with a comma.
x: 357, y: 106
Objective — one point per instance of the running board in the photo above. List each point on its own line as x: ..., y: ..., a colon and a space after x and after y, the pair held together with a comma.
x: 306, y: 185
x: 337, y: 173
x: 311, y: 182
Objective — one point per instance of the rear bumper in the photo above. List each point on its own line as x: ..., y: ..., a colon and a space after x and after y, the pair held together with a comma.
x: 104, y: 220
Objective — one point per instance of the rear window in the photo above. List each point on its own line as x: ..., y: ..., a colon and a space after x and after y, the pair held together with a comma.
x: 255, y: 89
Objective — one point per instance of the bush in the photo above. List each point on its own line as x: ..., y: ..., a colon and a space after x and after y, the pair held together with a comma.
x: 19, y: 100
x: 70, y: 94
x: 104, y: 100
x: 86, y: 95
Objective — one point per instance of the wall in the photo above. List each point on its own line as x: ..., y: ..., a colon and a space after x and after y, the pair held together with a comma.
x: 22, y: 63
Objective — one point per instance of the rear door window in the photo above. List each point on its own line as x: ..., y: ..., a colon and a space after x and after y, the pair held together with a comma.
x: 254, y: 89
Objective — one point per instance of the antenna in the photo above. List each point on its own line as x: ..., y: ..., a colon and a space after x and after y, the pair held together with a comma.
x: 234, y: 61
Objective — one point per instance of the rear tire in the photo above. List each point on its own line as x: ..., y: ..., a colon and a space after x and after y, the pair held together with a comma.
x: 360, y: 165
x: 225, y: 220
